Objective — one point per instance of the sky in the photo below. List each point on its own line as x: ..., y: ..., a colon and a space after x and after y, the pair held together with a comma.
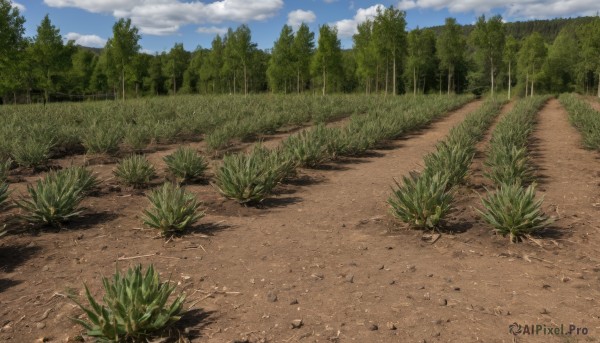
x: 162, y: 23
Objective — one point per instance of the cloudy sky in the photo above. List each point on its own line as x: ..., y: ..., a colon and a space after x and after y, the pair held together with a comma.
x: 195, y: 23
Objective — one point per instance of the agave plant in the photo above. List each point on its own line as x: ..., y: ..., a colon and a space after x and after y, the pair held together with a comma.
x: 82, y: 176
x: 309, y: 148
x: 513, y: 210
x: 250, y: 177
x: 172, y: 209
x: 135, y: 171
x: 3, y: 193
x: 508, y: 165
x: 452, y: 161
x: 4, y: 169
x: 422, y: 200
x: 102, y: 139
x: 53, y: 200
x: 31, y: 152
x: 135, y: 307
x: 186, y: 164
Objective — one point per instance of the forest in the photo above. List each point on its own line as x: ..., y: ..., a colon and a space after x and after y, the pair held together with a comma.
x: 542, y: 56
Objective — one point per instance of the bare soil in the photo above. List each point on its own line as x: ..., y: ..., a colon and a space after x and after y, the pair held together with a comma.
x: 325, y: 250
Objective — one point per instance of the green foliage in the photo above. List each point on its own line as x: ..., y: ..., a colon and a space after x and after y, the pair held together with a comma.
x: 53, y: 200
x: 513, y: 210
x: 451, y: 161
x: 135, y: 307
x: 135, y: 171
x: 251, y: 177
x: 508, y: 165
x: 4, y: 193
x: 308, y: 148
x: 422, y: 200
x: 583, y: 117
x: 81, y: 176
x: 173, y: 209
x: 186, y: 164
x: 102, y: 139
x: 5, y: 169
x: 31, y: 152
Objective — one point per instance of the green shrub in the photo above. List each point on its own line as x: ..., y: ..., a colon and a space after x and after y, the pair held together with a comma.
x: 83, y: 178
x: 137, y: 137
x: 5, y: 169
x: 186, y: 164
x: 508, y: 165
x: 53, y: 200
x: 4, y: 193
x: 251, y: 177
x: 172, y: 209
x: 421, y: 201
x: 135, y: 171
x: 102, y: 140
x: 31, y: 153
x: 135, y: 306
x: 308, y: 148
x: 452, y: 162
x: 513, y: 210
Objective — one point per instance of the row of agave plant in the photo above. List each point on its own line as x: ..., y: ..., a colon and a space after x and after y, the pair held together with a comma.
x: 423, y: 199
x: 583, y: 117
x: 251, y: 177
x: 512, y: 208
x: 56, y: 198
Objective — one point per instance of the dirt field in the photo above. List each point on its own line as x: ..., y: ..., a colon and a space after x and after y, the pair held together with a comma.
x: 325, y: 250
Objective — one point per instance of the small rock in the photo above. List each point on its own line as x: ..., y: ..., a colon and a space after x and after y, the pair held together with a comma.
x: 294, y: 302
x: 390, y: 326
x: 437, y: 322
x: 437, y: 334
x: 40, y: 325
x: 392, y: 282
x: 297, y: 323
x: 544, y: 311
x: 349, y: 278
x: 80, y: 236
x: 271, y: 297
x: 343, y: 225
x: 457, y: 289
x: 411, y: 268
x: 443, y: 302
x: 318, y: 276
x: 429, y: 275
x: 373, y: 327
x: 45, y: 268
x: 381, y: 267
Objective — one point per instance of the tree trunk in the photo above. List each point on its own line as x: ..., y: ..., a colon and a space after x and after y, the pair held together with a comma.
x: 532, y: 80
x: 245, y: 80
x: 394, y: 72
x: 123, y: 80
x: 449, y: 79
x: 298, y: 80
x: 414, y: 81
x: 599, y: 85
x: 324, y: 81
x: 509, y: 79
x: 492, y: 74
x: 377, y: 80
x: 526, y: 84
x: 387, y: 75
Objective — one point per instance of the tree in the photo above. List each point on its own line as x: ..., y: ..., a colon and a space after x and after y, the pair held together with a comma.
x: 421, y: 57
x: 123, y: 46
x: 50, y: 55
x: 450, y: 48
x: 157, y: 78
x: 178, y: 60
x: 12, y: 43
x: 81, y: 70
x: 303, y: 49
x: 212, y: 70
x: 511, y: 50
x: 488, y: 37
x: 327, y: 60
x: 559, y: 70
x: 389, y: 32
x: 239, y: 50
x: 531, y: 58
x: 366, y: 55
x: 590, y: 47
x: 282, y: 64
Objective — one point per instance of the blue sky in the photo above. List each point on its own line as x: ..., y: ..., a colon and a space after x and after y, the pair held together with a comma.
x: 195, y: 23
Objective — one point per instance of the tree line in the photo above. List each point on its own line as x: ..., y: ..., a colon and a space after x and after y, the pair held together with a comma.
x: 385, y: 58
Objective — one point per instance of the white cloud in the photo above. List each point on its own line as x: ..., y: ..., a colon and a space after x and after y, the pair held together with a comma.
x: 525, y: 9
x: 330, y: 1
x: 165, y: 17
x: 297, y: 17
x: 21, y: 7
x: 212, y: 30
x: 347, y: 27
x: 92, y: 41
